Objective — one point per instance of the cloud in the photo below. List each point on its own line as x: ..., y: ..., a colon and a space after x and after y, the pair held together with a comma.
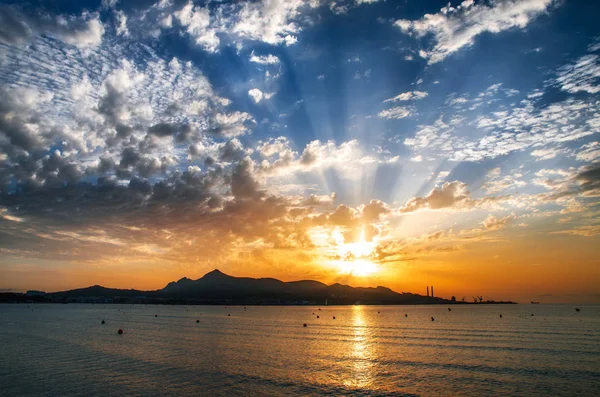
x: 274, y: 146
x: 450, y: 194
x: 525, y: 127
x: 197, y: 22
x: 456, y: 27
x: 494, y: 223
x: 122, y: 23
x: 257, y: 95
x: 581, y: 76
x: 582, y: 182
x: 83, y: 31
x: 347, y: 158
x: 407, y: 96
x: 398, y: 112
x: 123, y: 120
x: 585, y: 231
x: 315, y: 200
x: 590, y: 152
x: 269, y: 21
x: 497, y: 183
x: 373, y: 211
x: 268, y: 59
x: 548, y: 153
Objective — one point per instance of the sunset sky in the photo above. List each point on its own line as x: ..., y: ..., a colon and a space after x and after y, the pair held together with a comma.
x: 397, y: 143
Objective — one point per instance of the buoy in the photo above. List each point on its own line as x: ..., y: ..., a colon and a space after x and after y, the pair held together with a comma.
x: 319, y: 309
x: 318, y: 317
x: 197, y: 321
x: 449, y: 309
x: 334, y: 317
x: 501, y: 316
x: 406, y: 315
x: 378, y: 311
x: 531, y: 314
x: 305, y: 325
x: 577, y: 309
x: 432, y: 319
x: 120, y: 331
x: 102, y: 321
x: 156, y: 315
x: 229, y: 315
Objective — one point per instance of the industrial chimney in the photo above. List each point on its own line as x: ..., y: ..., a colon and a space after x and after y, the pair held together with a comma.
x: 432, y: 291
x: 428, y: 290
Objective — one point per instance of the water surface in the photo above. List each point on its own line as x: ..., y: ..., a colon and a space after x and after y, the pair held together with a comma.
x: 64, y: 350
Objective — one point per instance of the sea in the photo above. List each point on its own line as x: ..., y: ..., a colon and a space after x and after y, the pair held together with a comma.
x: 457, y: 350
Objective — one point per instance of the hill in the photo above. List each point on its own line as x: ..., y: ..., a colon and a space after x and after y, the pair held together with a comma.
x: 218, y: 287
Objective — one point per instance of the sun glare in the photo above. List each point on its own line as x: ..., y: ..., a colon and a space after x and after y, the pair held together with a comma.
x: 354, y: 257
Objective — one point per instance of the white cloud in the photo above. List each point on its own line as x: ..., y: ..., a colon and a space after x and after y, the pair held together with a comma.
x: 581, y: 76
x: 197, y: 23
x: 500, y: 133
x: 498, y: 183
x: 268, y: 59
x: 456, y: 27
x: 548, y: 153
x: 84, y: 31
x: 269, y: 21
x: 121, y: 23
x: 590, y: 152
x: 258, y: 95
x: 347, y: 158
x: 398, y: 112
x: 407, y: 96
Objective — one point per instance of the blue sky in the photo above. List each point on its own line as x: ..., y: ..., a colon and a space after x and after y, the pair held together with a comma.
x: 478, y: 120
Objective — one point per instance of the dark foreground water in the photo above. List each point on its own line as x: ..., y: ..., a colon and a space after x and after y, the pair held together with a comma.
x: 63, y: 350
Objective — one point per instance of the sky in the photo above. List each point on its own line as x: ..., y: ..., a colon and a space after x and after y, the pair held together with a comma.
x: 365, y: 142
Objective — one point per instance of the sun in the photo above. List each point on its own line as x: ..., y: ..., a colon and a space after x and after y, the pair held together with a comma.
x: 354, y: 257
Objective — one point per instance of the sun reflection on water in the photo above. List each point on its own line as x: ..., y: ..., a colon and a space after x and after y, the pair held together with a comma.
x: 362, y: 352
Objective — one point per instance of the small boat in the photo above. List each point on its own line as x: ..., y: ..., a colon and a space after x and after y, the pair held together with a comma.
x: 535, y: 302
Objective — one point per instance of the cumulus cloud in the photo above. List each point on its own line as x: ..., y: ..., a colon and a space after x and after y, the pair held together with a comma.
x: 450, y: 194
x: 453, y: 28
x: 315, y: 200
x: 347, y: 157
x: 197, y: 23
x: 257, y: 95
x: 126, y: 119
x: 494, y: 223
x: 274, y: 22
x: 582, y: 182
x: 82, y: 31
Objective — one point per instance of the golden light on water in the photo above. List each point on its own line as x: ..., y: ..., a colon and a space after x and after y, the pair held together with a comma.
x: 361, y: 351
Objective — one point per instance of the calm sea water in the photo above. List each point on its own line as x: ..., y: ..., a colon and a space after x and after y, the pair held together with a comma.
x: 64, y: 350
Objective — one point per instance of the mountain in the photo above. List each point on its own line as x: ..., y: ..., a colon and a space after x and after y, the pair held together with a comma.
x: 217, y: 286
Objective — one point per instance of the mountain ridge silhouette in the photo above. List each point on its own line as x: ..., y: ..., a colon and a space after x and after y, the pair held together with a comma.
x: 218, y: 286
